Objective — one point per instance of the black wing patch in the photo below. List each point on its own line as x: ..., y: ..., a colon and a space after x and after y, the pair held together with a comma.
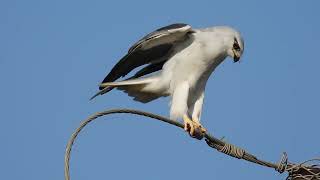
x: 136, y: 59
x: 149, y: 69
x: 150, y: 51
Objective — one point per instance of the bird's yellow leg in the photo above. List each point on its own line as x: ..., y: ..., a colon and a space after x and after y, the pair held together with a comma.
x: 194, y: 128
x: 188, y: 125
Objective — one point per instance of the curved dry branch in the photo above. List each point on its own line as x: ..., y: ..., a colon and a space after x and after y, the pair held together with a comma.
x: 296, y: 171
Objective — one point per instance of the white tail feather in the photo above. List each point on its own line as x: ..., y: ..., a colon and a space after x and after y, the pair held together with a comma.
x: 129, y: 82
x: 141, y: 89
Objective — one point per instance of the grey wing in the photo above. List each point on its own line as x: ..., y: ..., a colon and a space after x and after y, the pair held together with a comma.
x: 154, y: 49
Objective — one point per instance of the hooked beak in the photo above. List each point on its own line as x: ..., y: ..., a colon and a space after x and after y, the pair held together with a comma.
x: 236, y: 56
x: 236, y: 59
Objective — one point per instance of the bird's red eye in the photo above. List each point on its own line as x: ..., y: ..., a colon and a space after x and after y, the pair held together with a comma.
x: 236, y: 46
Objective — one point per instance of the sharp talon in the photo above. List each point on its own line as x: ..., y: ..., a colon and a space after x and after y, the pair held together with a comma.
x: 203, y: 130
x: 194, y: 128
x: 187, y: 126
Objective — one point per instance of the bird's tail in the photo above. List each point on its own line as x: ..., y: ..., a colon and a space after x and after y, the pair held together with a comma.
x: 133, y: 87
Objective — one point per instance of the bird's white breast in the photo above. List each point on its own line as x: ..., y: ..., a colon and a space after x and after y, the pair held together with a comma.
x: 195, y: 62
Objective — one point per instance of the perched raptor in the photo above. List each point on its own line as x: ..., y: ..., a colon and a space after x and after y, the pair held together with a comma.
x: 176, y: 61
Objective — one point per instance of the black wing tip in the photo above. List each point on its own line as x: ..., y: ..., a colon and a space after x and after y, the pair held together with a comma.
x: 97, y: 94
x: 102, y: 90
x: 94, y: 96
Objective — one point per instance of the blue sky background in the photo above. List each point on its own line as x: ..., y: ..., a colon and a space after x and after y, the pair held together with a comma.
x: 54, y: 54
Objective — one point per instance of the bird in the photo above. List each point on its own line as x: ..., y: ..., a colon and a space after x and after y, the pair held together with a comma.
x: 176, y: 61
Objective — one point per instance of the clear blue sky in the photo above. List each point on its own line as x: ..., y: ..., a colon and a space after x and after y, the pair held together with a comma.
x: 54, y: 54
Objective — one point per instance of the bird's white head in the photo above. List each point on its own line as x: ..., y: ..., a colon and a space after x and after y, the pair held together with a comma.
x: 230, y: 39
x: 235, y: 44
